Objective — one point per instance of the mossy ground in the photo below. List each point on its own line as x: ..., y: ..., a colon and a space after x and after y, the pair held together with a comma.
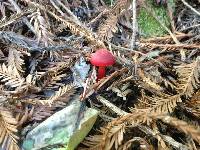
x: 148, y: 25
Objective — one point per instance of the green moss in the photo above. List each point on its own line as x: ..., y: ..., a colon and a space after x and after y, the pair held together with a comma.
x: 148, y: 25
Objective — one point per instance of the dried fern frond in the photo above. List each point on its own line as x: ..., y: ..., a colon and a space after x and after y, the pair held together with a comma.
x: 193, y: 106
x: 165, y: 39
x: 15, y: 60
x: 168, y: 47
x: 121, y: 58
x: 121, y: 90
x: 119, y: 6
x: 10, y: 76
x: 143, y: 144
x: 162, y: 105
x: 163, y: 140
x: 191, y: 130
x: 136, y: 117
x: 53, y: 72
x: 75, y: 27
x: 8, y: 130
x: 148, y: 81
x: 158, y: 105
x: 189, y: 77
x: 79, y: 30
x: 41, y: 27
x: 155, y: 76
x: 24, y: 116
x: 61, y: 95
x: 108, y: 137
x: 106, y: 29
x: 42, y: 112
x: 13, y: 18
x: 18, y: 40
x: 114, y: 136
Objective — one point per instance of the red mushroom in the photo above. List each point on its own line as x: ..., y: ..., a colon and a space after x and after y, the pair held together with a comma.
x: 102, y: 58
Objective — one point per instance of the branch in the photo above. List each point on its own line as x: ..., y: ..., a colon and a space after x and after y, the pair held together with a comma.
x: 190, y: 7
x: 134, y: 21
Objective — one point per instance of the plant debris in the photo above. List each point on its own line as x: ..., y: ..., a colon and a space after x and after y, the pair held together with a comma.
x: 149, y: 99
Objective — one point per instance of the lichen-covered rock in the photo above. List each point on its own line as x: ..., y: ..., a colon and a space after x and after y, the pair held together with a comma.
x: 65, y: 128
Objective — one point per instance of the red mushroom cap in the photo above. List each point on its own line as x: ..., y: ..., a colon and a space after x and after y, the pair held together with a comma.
x: 102, y: 57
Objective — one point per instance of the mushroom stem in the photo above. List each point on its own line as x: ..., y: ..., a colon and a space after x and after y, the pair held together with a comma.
x: 101, y: 73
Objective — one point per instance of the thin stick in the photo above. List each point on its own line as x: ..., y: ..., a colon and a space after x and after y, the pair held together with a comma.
x: 114, y: 108
x: 134, y: 51
x: 133, y: 40
x: 172, y: 47
x: 190, y: 7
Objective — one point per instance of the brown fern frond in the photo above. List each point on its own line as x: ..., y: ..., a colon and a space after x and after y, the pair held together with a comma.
x: 137, y: 116
x: 15, y: 60
x: 8, y: 130
x: 119, y: 6
x: 15, y: 17
x: 121, y: 58
x: 79, y: 30
x: 61, y: 95
x: 24, y: 116
x: 106, y: 29
x: 162, y: 105
x: 143, y: 144
x: 42, y: 112
x: 189, y: 77
x: 191, y: 130
x: 148, y: 81
x: 41, y: 27
x: 54, y: 72
x: 165, y: 39
x: 76, y: 28
x: 121, y: 90
x: 114, y: 137
x: 143, y: 102
x: 140, y: 116
x: 163, y: 140
x: 112, y: 130
x: 159, y: 105
x: 193, y: 106
x: 155, y: 76
x: 10, y: 76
